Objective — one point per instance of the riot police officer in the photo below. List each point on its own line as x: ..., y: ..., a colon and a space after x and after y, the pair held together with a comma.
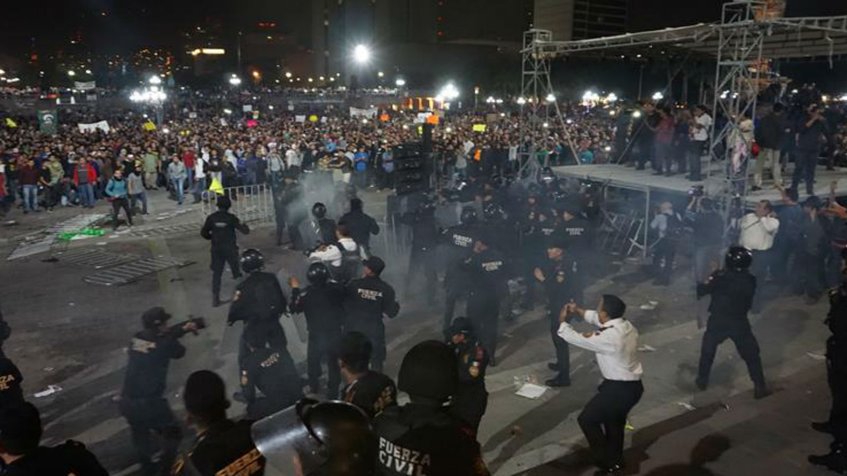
x: 557, y: 277
x: 21, y: 455
x: 319, y: 229
x: 10, y: 377
x: 317, y: 439
x: 220, y: 229
x: 424, y: 240
x: 267, y: 370
x: 732, y: 291
x: 471, y: 398
x: 369, y: 299
x: 421, y: 437
x: 836, y: 376
x: 259, y: 301
x: 460, y: 241
x: 223, y: 446
x: 322, y: 302
x: 360, y: 224
x: 533, y: 217
x: 486, y: 271
x: 142, y: 402
x: 295, y: 210
x: 576, y: 235
x: 369, y: 390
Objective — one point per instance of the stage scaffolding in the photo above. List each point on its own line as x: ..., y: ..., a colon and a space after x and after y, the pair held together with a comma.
x: 746, y: 38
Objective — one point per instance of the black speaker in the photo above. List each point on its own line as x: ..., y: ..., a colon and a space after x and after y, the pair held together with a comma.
x: 412, y: 169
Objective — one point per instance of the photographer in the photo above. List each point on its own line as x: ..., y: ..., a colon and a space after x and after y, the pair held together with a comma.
x: 142, y: 399
x: 758, y: 229
x: 668, y: 225
x: 708, y: 228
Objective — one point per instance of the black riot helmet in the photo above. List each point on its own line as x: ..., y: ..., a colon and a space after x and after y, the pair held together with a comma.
x: 317, y: 438
x: 738, y: 258
x: 252, y: 260
x: 468, y: 216
x: 319, y: 210
x: 317, y: 273
x: 494, y: 212
x: 429, y: 372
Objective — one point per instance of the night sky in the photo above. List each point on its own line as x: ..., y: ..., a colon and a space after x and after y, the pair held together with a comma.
x: 128, y: 24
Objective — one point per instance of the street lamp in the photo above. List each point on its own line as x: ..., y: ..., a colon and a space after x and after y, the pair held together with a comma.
x: 288, y: 74
x: 658, y: 96
x: 521, y: 101
x: 551, y: 97
x: 234, y: 80
x: 2, y: 72
x: 71, y: 73
x: 152, y: 96
x: 448, y: 93
x: 361, y: 54
x: 155, y: 80
x: 87, y: 71
x: 400, y: 82
x: 380, y: 74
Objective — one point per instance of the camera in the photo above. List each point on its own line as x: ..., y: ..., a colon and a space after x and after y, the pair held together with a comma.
x: 696, y: 191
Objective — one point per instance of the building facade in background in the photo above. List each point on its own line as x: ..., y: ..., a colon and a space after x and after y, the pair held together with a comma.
x: 581, y: 19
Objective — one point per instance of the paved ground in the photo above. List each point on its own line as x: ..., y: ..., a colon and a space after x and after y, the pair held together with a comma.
x: 71, y: 333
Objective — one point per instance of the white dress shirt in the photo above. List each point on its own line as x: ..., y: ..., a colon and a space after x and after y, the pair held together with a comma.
x: 757, y: 233
x: 614, y: 342
x: 332, y: 253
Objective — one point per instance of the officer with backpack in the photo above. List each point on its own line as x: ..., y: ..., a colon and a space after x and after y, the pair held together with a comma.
x: 669, y: 226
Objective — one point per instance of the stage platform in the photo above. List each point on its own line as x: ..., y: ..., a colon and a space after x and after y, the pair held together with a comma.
x: 643, y: 180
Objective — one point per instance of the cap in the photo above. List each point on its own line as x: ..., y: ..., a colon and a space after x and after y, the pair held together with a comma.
x: 375, y: 264
x: 154, y: 317
x: 461, y: 325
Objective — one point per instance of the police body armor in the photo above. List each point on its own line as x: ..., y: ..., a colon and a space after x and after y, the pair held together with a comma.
x: 836, y: 320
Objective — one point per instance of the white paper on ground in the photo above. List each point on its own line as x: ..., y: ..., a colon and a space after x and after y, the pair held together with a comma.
x: 531, y: 390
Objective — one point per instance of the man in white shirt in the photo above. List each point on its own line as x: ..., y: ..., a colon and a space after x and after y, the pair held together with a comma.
x: 699, y: 133
x: 758, y: 229
x: 342, y: 257
x: 615, y: 342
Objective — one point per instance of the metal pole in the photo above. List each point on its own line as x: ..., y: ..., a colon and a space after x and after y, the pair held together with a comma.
x: 238, y: 50
x: 646, y: 223
x: 640, y: 80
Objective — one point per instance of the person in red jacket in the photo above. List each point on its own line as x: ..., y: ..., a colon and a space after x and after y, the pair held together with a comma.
x: 188, y: 159
x: 85, y: 176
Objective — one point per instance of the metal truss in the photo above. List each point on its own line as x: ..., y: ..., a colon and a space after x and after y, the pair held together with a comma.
x: 535, y: 89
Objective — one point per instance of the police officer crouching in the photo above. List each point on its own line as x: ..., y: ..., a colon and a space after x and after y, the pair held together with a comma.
x: 142, y: 402
x: 223, y: 446
x: 20, y: 435
x: 10, y: 377
x: 732, y: 290
x: 266, y: 370
x: 421, y: 437
x: 836, y: 376
x: 220, y: 229
x: 471, y: 398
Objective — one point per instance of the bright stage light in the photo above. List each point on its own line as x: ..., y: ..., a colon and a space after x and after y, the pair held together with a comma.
x: 361, y: 54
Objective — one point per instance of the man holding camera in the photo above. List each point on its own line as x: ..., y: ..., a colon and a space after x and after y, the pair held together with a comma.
x: 758, y: 229
x: 142, y: 399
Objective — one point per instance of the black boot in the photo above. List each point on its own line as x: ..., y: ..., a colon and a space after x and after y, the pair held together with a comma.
x: 835, y: 460
x: 558, y: 381
x: 216, y: 301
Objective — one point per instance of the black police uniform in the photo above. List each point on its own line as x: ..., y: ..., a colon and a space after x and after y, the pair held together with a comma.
x: 368, y: 299
x: 269, y: 371
x: 576, y: 236
x: 836, y: 362
x: 487, y: 278
x: 533, y: 247
x: 373, y: 392
x: 560, y: 287
x: 317, y: 231
x: 361, y: 226
x: 422, y: 256
x: 459, y: 239
x: 220, y: 229
x: 225, y: 448
x: 471, y: 397
x: 295, y: 213
x: 68, y: 458
x: 260, y: 301
x: 10, y: 382
x: 142, y: 402
x: 732, y: 295
x: 421, y: 439
x: 323, y: 306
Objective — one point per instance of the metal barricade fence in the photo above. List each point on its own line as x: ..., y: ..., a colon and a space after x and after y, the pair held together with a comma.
x: 250, y: 203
